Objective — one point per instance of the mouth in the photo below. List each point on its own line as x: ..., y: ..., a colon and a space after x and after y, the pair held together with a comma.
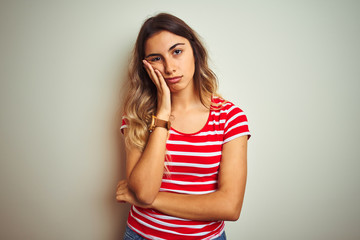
x: 173, y: 79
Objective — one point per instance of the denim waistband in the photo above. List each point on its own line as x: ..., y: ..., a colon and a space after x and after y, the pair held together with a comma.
x: 131, y: 235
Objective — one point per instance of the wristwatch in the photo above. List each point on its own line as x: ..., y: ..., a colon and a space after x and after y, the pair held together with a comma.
x: 155, y: 122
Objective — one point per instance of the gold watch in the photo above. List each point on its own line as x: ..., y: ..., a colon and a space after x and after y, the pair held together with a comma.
x: 155, y: 122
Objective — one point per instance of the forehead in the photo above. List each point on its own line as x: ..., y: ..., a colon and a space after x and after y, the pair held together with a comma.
x: 162, y: 41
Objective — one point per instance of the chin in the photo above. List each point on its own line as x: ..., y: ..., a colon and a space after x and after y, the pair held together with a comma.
x: 177, y: 87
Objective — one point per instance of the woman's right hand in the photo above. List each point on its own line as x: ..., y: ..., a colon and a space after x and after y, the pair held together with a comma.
x: 163, y: 92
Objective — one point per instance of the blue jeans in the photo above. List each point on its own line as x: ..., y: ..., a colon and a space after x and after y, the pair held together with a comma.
x: 131, y: 235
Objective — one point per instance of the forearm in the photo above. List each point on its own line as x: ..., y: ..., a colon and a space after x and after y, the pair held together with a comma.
x: 145, y: 177
x: 214, y: 206
x: 223, y: 204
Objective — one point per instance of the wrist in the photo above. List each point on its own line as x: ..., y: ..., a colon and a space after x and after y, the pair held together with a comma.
x: 163, y: 116
x: 157, y: 122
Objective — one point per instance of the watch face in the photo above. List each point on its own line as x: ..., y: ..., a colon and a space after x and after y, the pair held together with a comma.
x: 152, y: 125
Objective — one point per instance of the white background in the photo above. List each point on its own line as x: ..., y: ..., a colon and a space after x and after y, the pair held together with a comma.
x: 292, y: 66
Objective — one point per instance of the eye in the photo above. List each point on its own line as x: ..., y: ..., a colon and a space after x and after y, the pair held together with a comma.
x: 177, y: 51
x: 154, y: 59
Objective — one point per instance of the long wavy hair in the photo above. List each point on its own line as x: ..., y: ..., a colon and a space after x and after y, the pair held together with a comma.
x: 141, y: 98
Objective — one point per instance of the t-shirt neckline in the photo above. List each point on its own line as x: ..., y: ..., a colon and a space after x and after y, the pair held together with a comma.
x: 188, y: 134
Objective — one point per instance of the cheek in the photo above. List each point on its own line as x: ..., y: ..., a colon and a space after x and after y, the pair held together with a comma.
x: 158, y: 66
x: 191, y: 65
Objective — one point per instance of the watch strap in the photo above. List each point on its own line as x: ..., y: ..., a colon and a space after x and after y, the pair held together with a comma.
x: 156, y: 122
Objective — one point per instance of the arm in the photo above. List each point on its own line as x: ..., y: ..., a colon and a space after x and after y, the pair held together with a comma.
x: 144, y: 170
x: 226, y: 202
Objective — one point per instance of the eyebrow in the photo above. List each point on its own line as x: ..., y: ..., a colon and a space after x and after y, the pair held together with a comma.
x: 171, y: 48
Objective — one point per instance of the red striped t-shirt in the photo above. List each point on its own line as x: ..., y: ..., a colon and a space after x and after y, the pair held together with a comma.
x: 194, y: 164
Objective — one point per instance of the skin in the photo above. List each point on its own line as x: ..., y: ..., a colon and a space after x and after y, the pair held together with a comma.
x: 170, y: 64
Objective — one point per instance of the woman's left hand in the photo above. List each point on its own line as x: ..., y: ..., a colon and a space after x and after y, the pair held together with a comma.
x: 125, y: 195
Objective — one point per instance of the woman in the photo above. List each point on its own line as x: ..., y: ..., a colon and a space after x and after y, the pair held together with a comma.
x: 186, y: 147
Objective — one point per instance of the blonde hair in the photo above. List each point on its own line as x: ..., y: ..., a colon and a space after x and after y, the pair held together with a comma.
x: 141, y: 98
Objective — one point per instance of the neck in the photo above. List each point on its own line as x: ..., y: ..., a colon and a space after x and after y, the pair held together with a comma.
x: 185, y: 100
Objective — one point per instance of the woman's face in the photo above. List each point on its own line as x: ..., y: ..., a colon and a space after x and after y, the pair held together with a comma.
x: 173, y: 56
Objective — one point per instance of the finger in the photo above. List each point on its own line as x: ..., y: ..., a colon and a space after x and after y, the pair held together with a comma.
x: 121, y: 193
x: 161, y: 79
x: 151, y: 72
x: 120, y: 199
x: 147, y: 67
x: 121, y: 183
x: 122, y: 188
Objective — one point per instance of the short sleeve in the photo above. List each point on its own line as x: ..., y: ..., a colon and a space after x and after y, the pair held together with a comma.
x: 236, y: 124
x: 123, y: 125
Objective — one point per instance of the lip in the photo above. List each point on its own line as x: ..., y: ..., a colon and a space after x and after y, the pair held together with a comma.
x: 173, y: 79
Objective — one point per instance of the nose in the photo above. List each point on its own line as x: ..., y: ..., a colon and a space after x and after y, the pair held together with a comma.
x: 169, y: 67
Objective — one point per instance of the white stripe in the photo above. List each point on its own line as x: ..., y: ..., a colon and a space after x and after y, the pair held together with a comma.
x: 198, y: 165
x: 231, y: 108
x: 167, y: 217
x: 236, y: 136
x: 123, y: 126
x: 194, y: 144
x: 199, y: 226
x: 193, y: 174
x: 188, y: 183
x: 233, y: 117
x: 236, y: 125
x: 173, y: 132
x: 195, y: 154
x: 217, y: 122
x: 217, y: 235
x: 187, y: 192
x: 143, y: 234
x: 201, y: 133
x: 216, y: 113
x: 210, y: 133
x: 168, y: 231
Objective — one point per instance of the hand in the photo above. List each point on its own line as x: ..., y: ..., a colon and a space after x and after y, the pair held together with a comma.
x: 163, y: 92
x: 125, y: 195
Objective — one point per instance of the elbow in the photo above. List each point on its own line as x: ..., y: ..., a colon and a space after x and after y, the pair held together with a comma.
x: 143, y: 194
x: 145, y: 197
x: 231, y: 205
x: 233, y: 216
x: 232, y: 211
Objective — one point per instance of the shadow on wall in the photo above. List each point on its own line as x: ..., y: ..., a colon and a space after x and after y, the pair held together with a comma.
x: 122, y: 209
